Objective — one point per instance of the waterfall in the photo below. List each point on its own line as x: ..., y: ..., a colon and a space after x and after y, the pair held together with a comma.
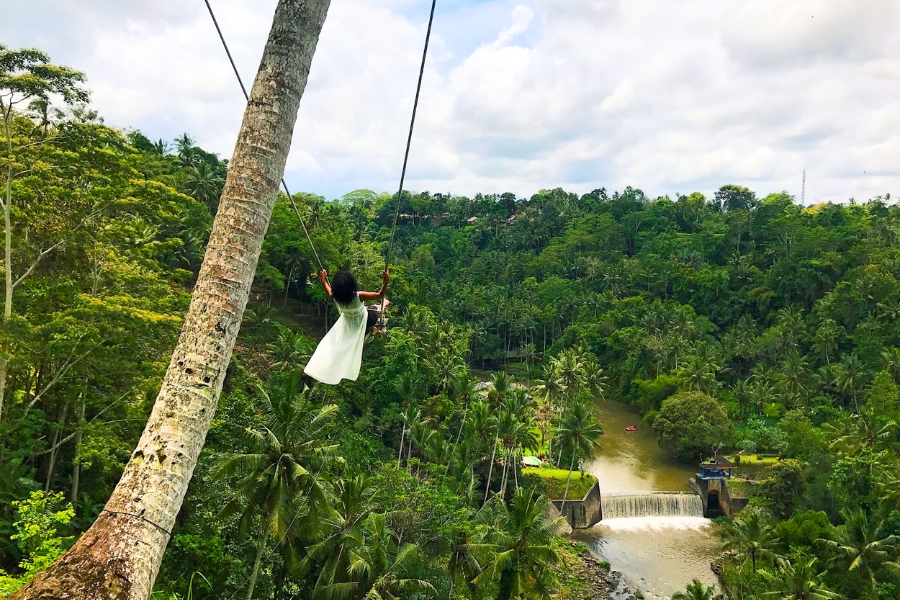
x: 651, y: 505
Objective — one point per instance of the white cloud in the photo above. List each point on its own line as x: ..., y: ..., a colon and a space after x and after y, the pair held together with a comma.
x: 521, y: 18
x: 522, y: 94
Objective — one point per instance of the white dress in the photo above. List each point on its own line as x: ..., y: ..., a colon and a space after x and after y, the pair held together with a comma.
x: 339, y: 354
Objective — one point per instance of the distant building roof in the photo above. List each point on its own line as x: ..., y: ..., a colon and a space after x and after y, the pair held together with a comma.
x: 471, y: 219
x: 531, y: 461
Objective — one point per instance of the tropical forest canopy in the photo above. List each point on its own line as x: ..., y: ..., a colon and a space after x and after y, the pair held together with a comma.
x: 738, y: 323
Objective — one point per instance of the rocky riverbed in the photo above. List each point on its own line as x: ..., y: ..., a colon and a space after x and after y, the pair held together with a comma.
x: 605, y: 583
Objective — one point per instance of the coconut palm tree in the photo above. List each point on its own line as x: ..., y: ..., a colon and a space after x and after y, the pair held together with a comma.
x: 380, y: 567
x: 259, y: 317
x: 850, y: 376
x: 529, y: 354
x: 352, y: 504
x: 520, y: 402
x: 44, y: 115
x: 290, y: 452
x: 315, y: 210
x: 463, y: 565
x: 190, y: 254
x: 184, y: 143
x: 550, y: 391
x: 798, y: 580
x: 124, y: 551
x: 569, y: 369
x: 595, y: 379
x: 751, y: 535
x: 462, y: 385
x: 794, y: 370
x: 891, y: 358
x: 161, y: 147
x: 289, y: 349
x: 406, y: 387
x: 480, y: 427
x: 516, y: 551
x: 462, y: 471
x: 502, y: 383
x: 507, y: 430
x: 495, y: 432
x: 449, y: 370
x: 463, y: 389
x: 863, y: 431
x: 825, y: 339
x: 578, y: 436
x: 859, y: 546
x: 698, y: 374
x: 420, y: 434
x: 695, y: 591
x: 438, y: 450
x: 204, y: 185
x: 515, y: 430
x: 411, y: 416
x: 527, y: 434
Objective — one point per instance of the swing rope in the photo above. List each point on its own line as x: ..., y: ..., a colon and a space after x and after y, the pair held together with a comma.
x: 412, y: 123
x: 247, y: 98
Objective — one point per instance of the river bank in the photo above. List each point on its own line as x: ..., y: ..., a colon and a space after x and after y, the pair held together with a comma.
x: 660, y: 542
x: 595, y: 578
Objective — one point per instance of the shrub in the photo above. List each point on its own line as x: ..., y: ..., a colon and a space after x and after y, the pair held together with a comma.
x: 692, y: 424
x: 37, y: 535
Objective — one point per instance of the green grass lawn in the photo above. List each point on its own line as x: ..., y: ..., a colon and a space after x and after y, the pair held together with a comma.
x: 754, y: 459
x: 555, y: 481
x: 754, y: 466
x: 739, y: 488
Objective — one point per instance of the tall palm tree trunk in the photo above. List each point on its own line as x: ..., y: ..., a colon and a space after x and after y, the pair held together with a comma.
x: 76, y: 464
x: 260, y: 548
x: 54, y: 454
x: 119, y: 556
x: 287, y: 287
x: 487, y: 487
x: 7, y: 260
x: 515, y: 466
x: 568, y: 479
x: 505, y: 587
x: 505, y: 473
x: 458, y: 436
x: 400, y: 456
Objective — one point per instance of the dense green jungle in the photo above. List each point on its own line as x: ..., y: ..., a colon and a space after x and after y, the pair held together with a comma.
x: 739, y: 323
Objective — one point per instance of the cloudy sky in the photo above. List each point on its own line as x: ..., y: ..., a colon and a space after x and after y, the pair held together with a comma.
x: 520, y: 95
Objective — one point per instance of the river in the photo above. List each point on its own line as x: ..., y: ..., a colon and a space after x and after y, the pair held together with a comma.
x: 657, y: 554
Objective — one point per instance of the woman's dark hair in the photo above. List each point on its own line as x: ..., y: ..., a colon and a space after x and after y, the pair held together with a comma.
x: 344, y: 287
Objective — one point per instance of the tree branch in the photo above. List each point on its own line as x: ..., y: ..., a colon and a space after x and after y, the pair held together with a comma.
x: 68, y: 364
x: 50, y: 249
x: 44, y: 141
x: 91, y: 420
x: 36, y: 262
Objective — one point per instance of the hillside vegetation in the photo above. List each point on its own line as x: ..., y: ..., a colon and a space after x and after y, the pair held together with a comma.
x: 734, y: 322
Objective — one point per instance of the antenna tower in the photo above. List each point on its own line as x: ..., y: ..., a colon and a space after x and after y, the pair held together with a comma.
x: 803, y: 190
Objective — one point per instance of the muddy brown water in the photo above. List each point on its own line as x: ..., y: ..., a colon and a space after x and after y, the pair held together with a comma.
x: 658, y: 555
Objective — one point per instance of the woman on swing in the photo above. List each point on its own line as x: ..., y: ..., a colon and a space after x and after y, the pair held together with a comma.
x: 339, y: 354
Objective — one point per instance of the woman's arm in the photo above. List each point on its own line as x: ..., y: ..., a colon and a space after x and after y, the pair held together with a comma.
x: 385, y: 276
x: 323, y: 275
